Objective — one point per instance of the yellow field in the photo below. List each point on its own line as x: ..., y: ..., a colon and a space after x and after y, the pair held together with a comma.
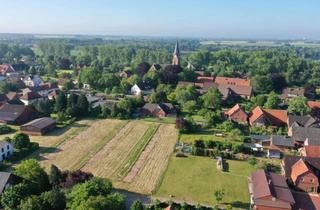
x: 148, y: 170
x: 75, y: 152
x: 133, y: 154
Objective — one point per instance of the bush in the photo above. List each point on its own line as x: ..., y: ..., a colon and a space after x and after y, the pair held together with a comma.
x: 252, y: 161
x: 4, y: 129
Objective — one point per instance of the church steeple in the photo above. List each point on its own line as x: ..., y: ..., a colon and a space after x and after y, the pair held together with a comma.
x: 176, y: 55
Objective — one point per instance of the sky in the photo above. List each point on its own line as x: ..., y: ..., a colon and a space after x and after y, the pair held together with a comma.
x: 280, y: 19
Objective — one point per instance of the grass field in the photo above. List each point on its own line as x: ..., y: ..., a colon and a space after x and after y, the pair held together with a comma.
x: 196, y: 178
x: 190, y: 138
x: 74, y: 153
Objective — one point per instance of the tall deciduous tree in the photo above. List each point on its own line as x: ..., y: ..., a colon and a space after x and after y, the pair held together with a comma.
x: 298, y: 106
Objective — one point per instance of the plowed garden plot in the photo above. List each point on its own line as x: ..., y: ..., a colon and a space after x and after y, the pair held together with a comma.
x: 74, y: 153
x: 147, y: 171
x: 117, y: 157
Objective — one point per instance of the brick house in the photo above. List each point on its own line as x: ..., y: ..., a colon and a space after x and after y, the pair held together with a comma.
x: 302, y: 172
x: 232, y: 81
x: 269, y: 191
x: 158, y: 110
x: 268, y: 117
x: 237, y: 114
x: 16, y: 114
x: 38, y: 127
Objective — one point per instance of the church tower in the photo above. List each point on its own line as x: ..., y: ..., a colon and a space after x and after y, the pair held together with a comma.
x: 176, y: 55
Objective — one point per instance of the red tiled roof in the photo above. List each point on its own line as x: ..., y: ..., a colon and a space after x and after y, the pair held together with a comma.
x: 278, y: 114
x: 6, y: 68
x: 312, y: 151
x: 314, y: 104
x: 266, y: 186
x: 274, y: 115
x: 233, y: 110
x: 300, y: 167
x: 204, y: 78
x: 255, y: 114
x: 232, y: 81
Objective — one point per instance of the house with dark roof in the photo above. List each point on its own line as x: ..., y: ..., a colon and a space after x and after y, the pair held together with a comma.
x: 235, y: 90
x: 301, y: 134
x: 8, y: 179
x: 237, y: 114
x: 268, y: 117
x: 301, y: 121
x: 38, y: 127
x: 16, y: 114
x: 269, y: 191
x: 306, y: 201
x: 302, y: 172
x: 29, y: 98
x: 158, y: 110
x: 273, y: 145
x: 289, y: 92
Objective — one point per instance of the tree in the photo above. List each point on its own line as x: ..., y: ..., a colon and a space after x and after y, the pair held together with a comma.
x: 310, y: 91
x: 83, y: 105
x: 20, y: 141
x: 219, y: 194
x: 298, y: 106
x: 137, y: 205
x: 61, y: 102
x: 89, y: 189
x: 50, y: 200
x: 32, y: 203
x: 55, y: 176
x: 262, y: 83
x: 212, y: 99
x: 142, y: 68
x: 71, y: 178
x: 12, y: 196
x: 182, y: 95
x: 68, y: 85
x: 44, y: 107
x: 31, y: 171
x: 114, y: 201
x: 169, y: 75
x: 273, y: 101
x: 190, y: 106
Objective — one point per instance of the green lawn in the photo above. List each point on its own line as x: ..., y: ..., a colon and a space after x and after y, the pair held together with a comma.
x: 195, y: 179
x: 190, y: 138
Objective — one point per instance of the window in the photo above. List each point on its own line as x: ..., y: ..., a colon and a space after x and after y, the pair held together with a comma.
x: 8, y: 147
x: 2, y: 150
x: 311, y: 180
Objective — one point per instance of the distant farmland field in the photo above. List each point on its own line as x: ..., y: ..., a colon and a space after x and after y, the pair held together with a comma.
x: 271, y: 43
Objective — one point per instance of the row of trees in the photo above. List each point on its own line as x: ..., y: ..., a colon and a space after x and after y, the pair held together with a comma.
x: 59, y: 190
x: 270, y: 70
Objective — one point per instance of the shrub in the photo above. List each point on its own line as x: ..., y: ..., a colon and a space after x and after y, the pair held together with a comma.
x: 4, y: 129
